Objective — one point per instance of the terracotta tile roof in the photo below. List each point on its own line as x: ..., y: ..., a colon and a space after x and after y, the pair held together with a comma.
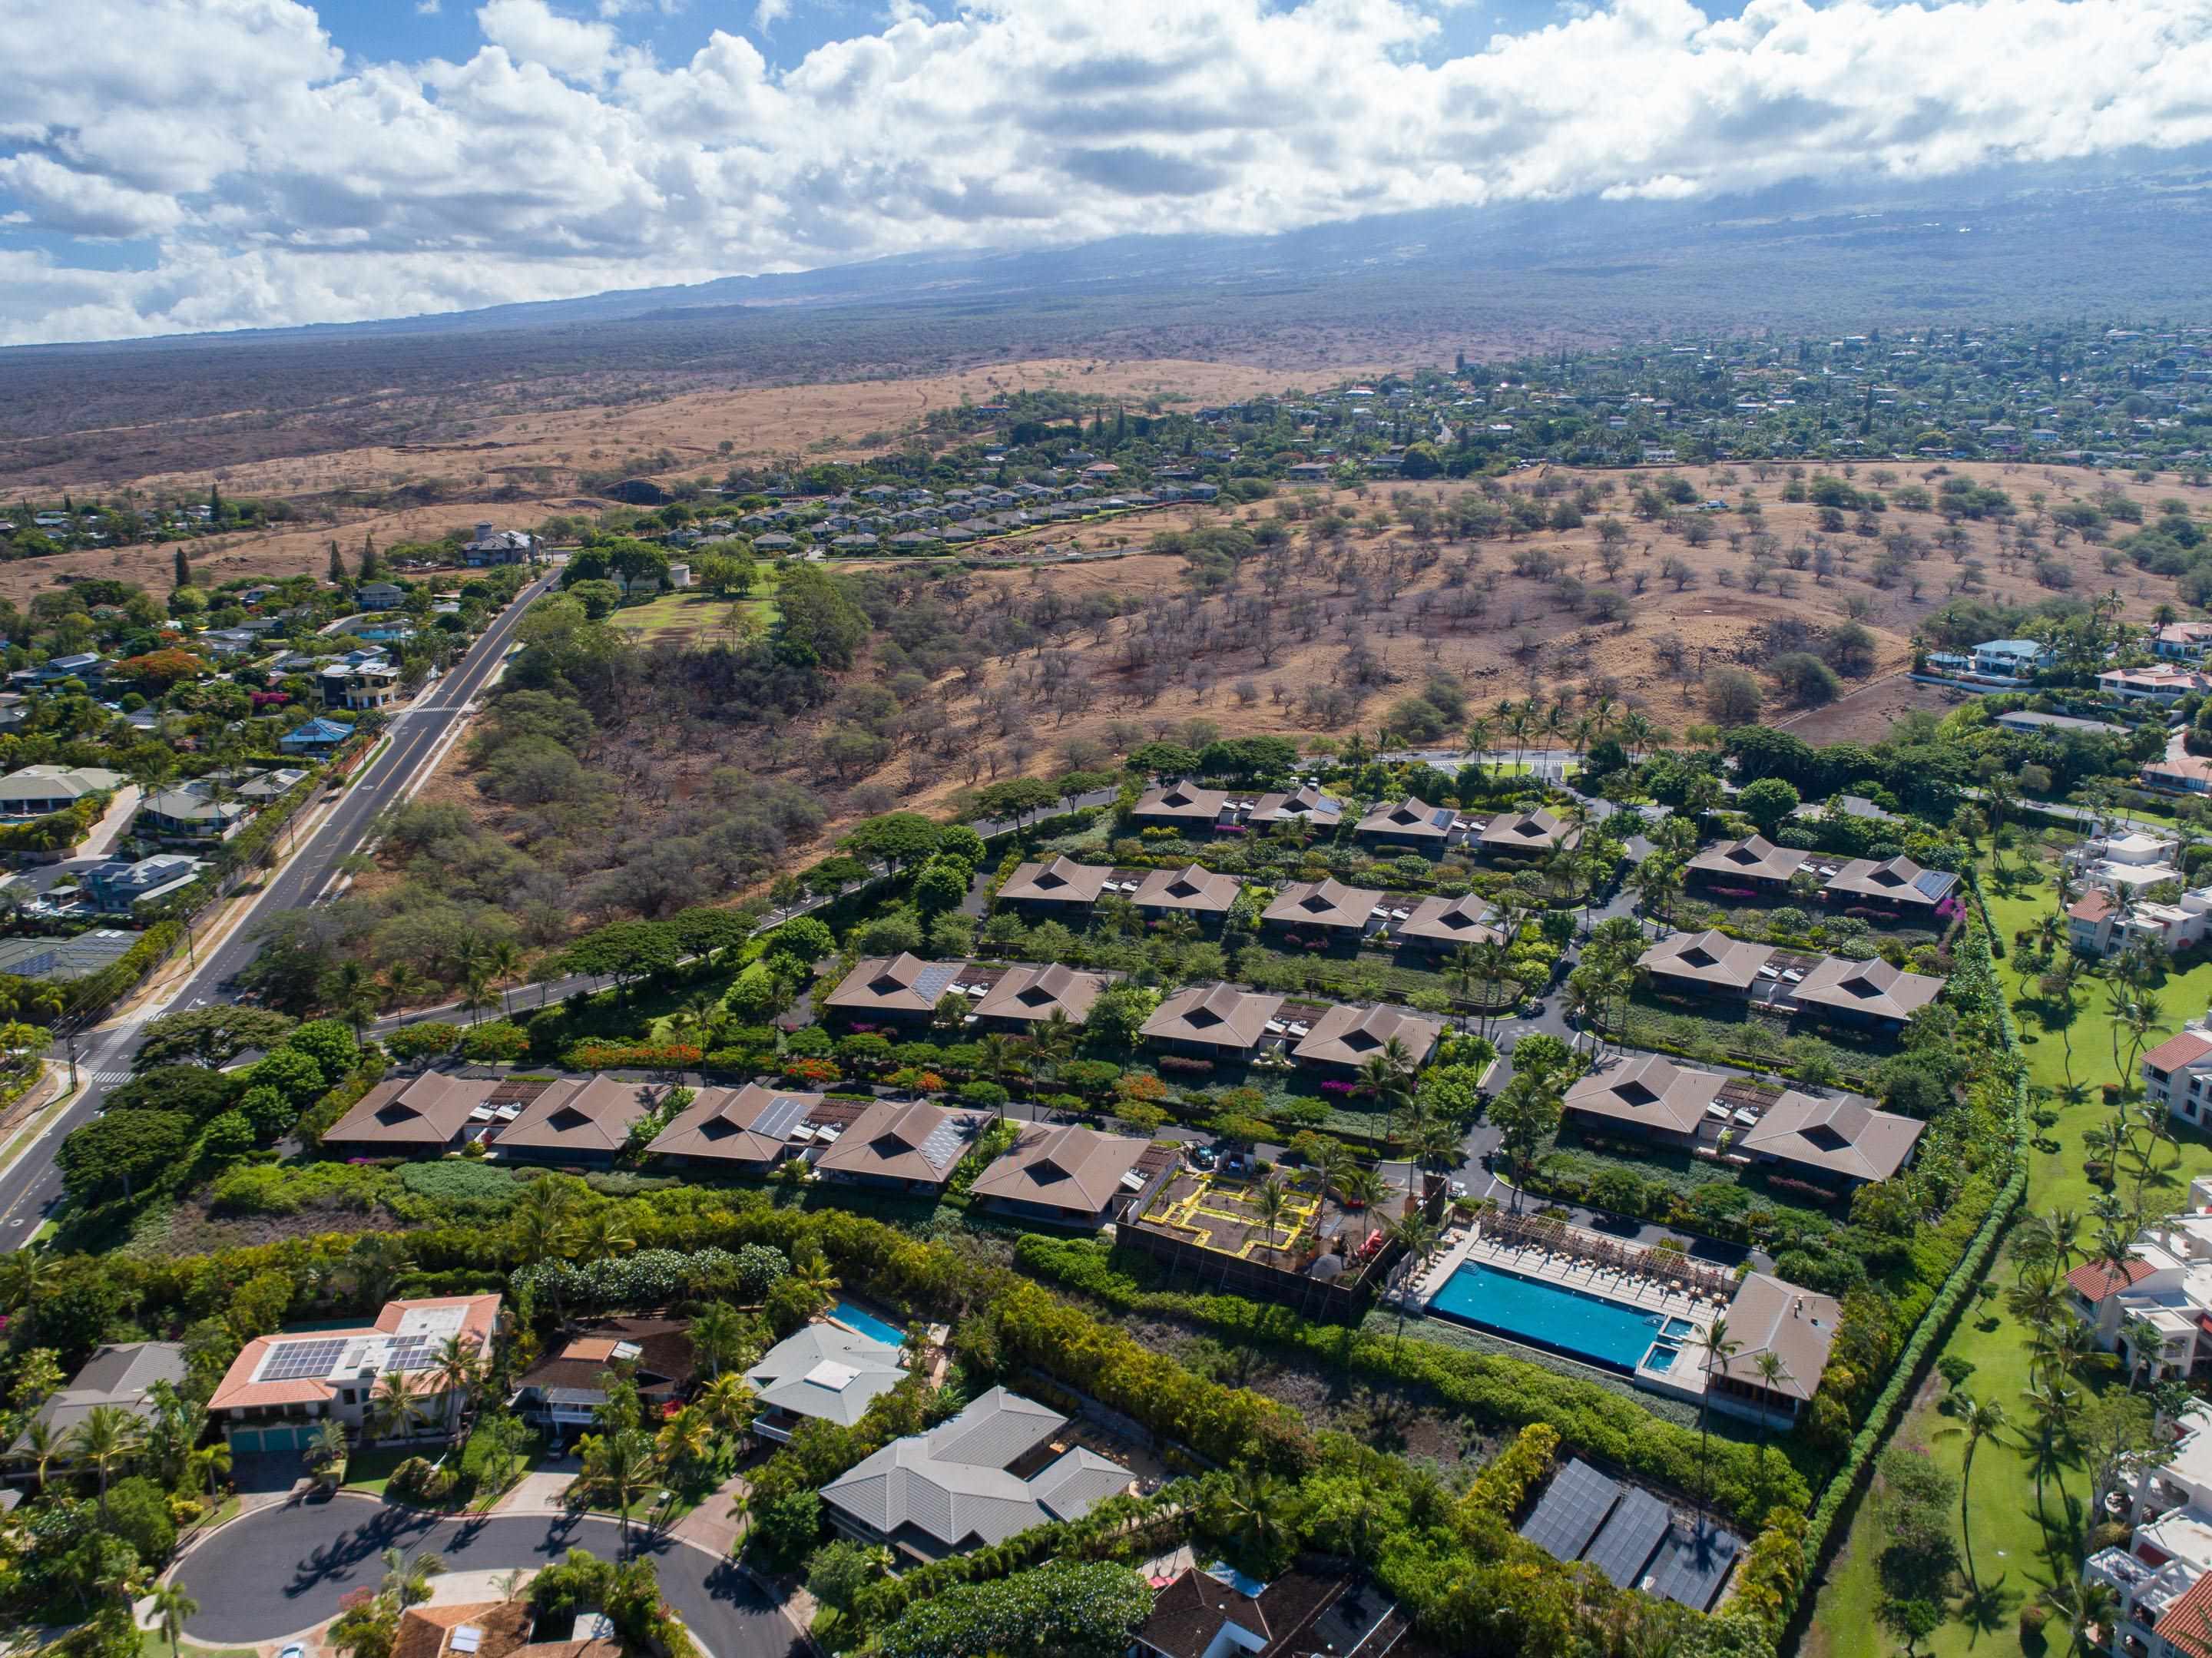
x: 478, y: 1316
x: 2094, y: 1280
x: 2175, y: 1052
x: 2187, y: 1624
x: 2092, y: 906
x: 424, y: 1631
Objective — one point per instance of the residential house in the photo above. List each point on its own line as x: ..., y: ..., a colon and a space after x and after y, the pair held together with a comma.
x: 1770, y: 1314
x: 87, y: 667
x: 822, y: 1372
x: 1066, y: 1174
x: 2028, y: 723
x: 588, y: 1125
x: 1645, y: 1095
x: 1439, y: 926
x: 1411, y: 824
x: 1871, y: 995
x: 1527, y: 835
x: 119, y: 1375
x: 2012, y: 659
x: 2160, y: 1578
x: 120, y: 885
x: 1202, y: 894
x: 1306, y: 804
x: 2164, y: 686
x: 2180, y: 772
x: 2178, y: 1074
x: 2090, y: 921
x: 280, y: 1388
x: 1216, y: 1021
x: 1324, y: 911
x: 907, y: 1146
x: 1845, y: 1142
x: 429, y: 1114
x: 564, y: 1391
x: 1025, y: 997
x: 378, y: 596
x: 32, y: 792
x: 1183, y: 808
x: 1896, y: 888
x: 991, y: 1472
x: 749, y: 1130
x: 1061, y: 889
x: 901, y: 989
x: 361, y: 686
x: 1221, y: 1614
x: 1344, y: 1038
x: 317, y: 737
x: 498, y: 1628
x: 1756, y: 867
x: 2183, y: 642
x: 2126, y: 861
x: 490, y: 546
x: 1706, y: 964
x: 198, y: 809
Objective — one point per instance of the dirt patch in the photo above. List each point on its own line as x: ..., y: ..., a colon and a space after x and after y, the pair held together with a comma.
x: 1867, y: 716
x: 192, y: 1230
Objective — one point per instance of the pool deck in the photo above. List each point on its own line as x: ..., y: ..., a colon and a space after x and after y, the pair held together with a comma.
x: 1467, y: 1246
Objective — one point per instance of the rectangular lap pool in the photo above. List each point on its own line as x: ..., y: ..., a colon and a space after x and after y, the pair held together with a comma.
x: 1561, y: 1320
x: 868, y: 1324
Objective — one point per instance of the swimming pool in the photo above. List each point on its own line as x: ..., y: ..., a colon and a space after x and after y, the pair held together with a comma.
x: 1544, y: 1315
x: 868, y: 1324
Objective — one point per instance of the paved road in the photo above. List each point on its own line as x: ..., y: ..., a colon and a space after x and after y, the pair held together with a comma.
x: 279, y: 1571
x: 31, y: 1189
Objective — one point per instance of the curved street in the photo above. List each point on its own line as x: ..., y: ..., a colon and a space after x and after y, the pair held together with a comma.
x: 281, y: 1571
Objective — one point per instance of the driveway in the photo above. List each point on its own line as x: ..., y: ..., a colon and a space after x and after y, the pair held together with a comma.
x: 283, y: 1570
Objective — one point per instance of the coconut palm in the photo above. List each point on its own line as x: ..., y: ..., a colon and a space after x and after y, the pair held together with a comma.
x: 504, y: 963
x: 327, y: 1453
x: 728, y: 1404
x: 170, y: 1605
x: 618, y: 1471
x: 1270, y: 1203
x: 812, y: 1276
x: 105, y: 1440
x: 208, y: 1464
x: 605, y: 1234
x: 459, y: 1370
x: 1716, y: 1348
x: 542, y: 1224
x: 394, y: 1412
x: 1362, y: 1188
x: 685, y: 1440
x: 1974, y: 1421
x: 407, y: 1576
x: 23, y: 1274
x: 718, y: 1335
x: 37, y: 1447
x: 1773, y: 1372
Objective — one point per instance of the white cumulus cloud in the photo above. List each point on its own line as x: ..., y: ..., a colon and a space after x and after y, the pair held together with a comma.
x: 270, y: 180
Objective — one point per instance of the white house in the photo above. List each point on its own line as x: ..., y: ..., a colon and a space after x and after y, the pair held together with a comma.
x: 2163, y: 685
x: 2012, y: 659
x: 2126, y: 861
x: 2178, y: 1073
x: 2162, y: 1577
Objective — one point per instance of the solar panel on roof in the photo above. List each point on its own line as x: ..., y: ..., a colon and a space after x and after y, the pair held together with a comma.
x: 1442, y: 817
x: 1935, y: 883
x: 943, y: 1145
x: 1571, y: 1511
x: 410, y: 1353
x: 781, y: 1115
x: 1626, y: 1544
x: 933, y: 980
x: 296, y: 1360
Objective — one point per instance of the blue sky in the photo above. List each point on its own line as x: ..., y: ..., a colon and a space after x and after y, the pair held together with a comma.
x: 173, y: 165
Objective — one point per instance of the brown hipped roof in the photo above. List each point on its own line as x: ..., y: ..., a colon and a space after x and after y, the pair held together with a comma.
x: 914, y: 1141
x: 720, y: 1122
x: 1192, y: 889
x: 1449, y: 921
x: 425, y: 1111
x: 1757, y: 858
x: 1033, y: 993
x: 1872, y: 986
x: 1062, y: 881
x: 903, y: 983
x: 1328, y: 903
x: 1707, y: 958
x: 1070, y: 1167
x: 1891, y: 881
x: 1770, y: 1314
x: 1847, y: 1136
x: 1305, y: 801
x: 1647, y: 1090
x: 2176, y: 1052
x: 1409, y: 817
x: 1221, y: 1016
x: 1528, y: 831
x: 591, y: 1119
x: 1180, y: 801
x: 1348, y: 1036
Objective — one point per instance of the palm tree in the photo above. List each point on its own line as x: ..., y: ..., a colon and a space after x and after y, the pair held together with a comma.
x: 1270, y: 1202
x: 728, y: 1404
x: 1416, y: 1234
x: 543, y: 1227
x: 618, y: 1470
x: 210, y: 1463
x: 459, y: 1370
x: 1434, y: 1145
x: 1773, y: 1372
x: 327, y: 1454
x: 23, y: 1274
x: 994, y: 1057
x: 1976, y: 1421
x: 604, y: 1233
x: 106, y: 1439
x: 1386, y: 1076
x: 394, y: 1412
x: 172, y: 1604
x: 812, y: 1276
x: 504, y: 961
x: 407, y: 1576
x: 1361, y: 1187
x: 685, y: 1440
x: 38, y: 1447
x: 717, y: 1335
x: 1717, y: 1348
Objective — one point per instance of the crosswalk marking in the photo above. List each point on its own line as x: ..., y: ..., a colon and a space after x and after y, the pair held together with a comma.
x: 110, y: 1078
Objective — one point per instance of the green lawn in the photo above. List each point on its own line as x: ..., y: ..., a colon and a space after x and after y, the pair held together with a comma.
x: 701, y: 615
x: 152, y: 1643
x: 2012, y: 1544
